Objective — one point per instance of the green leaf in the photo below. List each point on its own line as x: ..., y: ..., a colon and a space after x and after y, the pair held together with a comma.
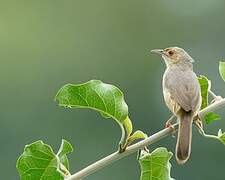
x: 39, y: 162
x: 221, y: 136
x: 156, y: 165
x: 222, y: 69
x: 104, y: 98
x: 137, y: 135
x: 94, y: 94
x: 205, y: 86
x: 210, y: 117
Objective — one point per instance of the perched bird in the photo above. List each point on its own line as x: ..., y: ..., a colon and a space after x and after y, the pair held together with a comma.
x: 182, y: 95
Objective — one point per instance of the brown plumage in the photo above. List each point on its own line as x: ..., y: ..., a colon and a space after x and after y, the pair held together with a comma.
x: 182, y: 95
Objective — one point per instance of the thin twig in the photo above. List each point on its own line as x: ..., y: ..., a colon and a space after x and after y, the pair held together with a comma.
x: 202, y: 132
x: 212, y: 94
x: 139, y: 145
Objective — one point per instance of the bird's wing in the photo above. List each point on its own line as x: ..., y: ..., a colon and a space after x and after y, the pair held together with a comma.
x: 184, y: 89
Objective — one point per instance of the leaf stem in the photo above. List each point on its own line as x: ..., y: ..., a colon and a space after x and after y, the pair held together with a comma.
x: 139, y: 145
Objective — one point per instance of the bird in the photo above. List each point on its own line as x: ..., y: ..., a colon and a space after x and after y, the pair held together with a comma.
x: 182, y: 95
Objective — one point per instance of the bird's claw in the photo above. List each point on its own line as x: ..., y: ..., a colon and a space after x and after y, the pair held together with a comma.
x: 170, y: 126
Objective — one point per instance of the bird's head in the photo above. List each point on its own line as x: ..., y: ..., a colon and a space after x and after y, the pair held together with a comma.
x: 174, y: 55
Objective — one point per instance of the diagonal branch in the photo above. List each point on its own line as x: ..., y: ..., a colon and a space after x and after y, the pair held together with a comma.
x: 139, y: 145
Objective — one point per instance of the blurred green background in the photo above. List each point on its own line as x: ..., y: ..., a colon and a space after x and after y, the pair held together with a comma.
x: 46, y: 44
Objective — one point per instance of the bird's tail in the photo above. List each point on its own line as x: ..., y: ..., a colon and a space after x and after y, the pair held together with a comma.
x: 183, y: 147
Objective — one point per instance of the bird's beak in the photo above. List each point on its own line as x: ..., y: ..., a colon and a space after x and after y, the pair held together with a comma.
x: 158, y: 51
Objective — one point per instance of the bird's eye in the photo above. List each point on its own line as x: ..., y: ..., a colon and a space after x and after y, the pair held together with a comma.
x: 171, y: 53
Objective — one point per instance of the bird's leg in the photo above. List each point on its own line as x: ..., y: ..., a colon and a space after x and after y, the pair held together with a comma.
x: 198, y: 122
x: 170, y: 125
x: 169, y: 121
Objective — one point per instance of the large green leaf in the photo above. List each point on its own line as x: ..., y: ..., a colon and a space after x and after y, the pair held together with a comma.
x: 39, y: 162
x: 156, y: 165
x: 104, y: 98
x: 94, y: 94
x: 222, y: 69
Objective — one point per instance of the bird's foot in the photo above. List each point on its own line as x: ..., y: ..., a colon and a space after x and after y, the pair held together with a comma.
x: 171, y: 127
x: 198, y: 123
x: 169, y: 121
